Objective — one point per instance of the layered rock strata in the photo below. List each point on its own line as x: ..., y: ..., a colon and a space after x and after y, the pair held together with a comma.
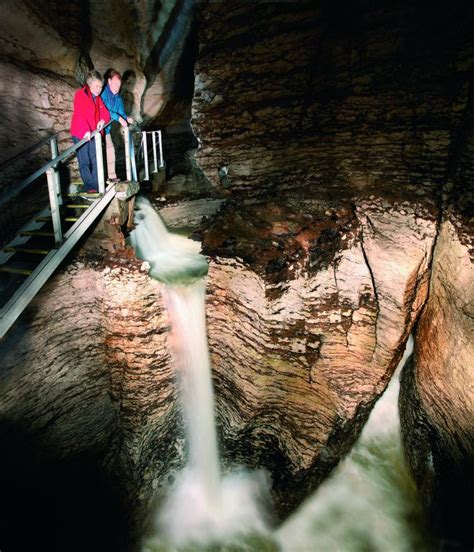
x: 308, y: 314
x: 437, y: 392
x: 89, y: 419
x: 326, y: 102
x: 330, y: 97
x: 437, y: 401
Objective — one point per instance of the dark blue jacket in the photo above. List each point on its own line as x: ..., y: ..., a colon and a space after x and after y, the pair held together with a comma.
x: 114, y: 103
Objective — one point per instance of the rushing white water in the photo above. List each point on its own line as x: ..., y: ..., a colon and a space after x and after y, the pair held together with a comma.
x: 173, y: 259
x: 203, y: 507
x: 368, y: 504
x: 191, y: 359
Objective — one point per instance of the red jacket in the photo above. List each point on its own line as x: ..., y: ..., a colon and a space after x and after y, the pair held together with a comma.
x: 87, y: 112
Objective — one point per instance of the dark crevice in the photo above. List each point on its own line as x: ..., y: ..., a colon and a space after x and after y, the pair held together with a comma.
x: 374, y: 285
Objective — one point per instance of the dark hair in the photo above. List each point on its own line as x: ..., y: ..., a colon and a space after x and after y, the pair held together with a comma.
x: 113, y: 73
x: 92, y: 76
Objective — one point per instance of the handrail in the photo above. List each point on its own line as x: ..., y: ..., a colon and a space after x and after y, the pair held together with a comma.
x: 10, y: 194
x: 30, y: 287
x: 64, y: 241
x: 144, y: 148
x: 28, y: 150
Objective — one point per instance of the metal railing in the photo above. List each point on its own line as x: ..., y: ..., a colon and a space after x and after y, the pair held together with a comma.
x: 64, y: 242
x: 29, y: 150
x: 51, y: 169
x: 157, y: 147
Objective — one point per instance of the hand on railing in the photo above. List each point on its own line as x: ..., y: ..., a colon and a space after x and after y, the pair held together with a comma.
x: 100, y: 124
x: 87, y: 135
x: 126, y: 122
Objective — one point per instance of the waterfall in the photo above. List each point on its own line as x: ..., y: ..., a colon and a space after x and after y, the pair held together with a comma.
x: 203, y: 506
x: 369, y: 503
x: 191, y: 357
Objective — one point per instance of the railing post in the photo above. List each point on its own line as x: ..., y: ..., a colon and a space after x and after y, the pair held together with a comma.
x: 160, y: 143
x: 155, y: 158
x: 54, y: 147
x: 54, y: 205
x: 100, y: 162
x: 57, y: 182
x: 132, y: 158
x: 145, y: 155
x: 128, y: 165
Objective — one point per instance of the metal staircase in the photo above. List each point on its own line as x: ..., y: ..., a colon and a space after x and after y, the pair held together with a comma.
x: 50, y: 259
x: 29, y: 259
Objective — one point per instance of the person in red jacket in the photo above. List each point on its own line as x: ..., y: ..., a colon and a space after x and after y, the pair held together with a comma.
x: 89, y: 114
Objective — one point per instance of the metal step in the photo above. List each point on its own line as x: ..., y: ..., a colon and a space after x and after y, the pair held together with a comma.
x: 85, y: 194
x: 78, y: 206
x: 36, y: 233
x: 26, y: 250
x: 12, y: 270
x: 20, y: 240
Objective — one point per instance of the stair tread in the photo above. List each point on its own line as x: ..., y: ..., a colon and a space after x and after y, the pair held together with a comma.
x: 36, y: 233
x: 13, y: 270
x: 26, y: 250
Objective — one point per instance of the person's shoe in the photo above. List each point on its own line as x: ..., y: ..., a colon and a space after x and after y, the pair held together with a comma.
x: 90, y: 192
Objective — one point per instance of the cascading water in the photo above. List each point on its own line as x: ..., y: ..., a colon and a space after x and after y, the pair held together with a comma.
x: 186, y: 308
x: 203, y: 507
x: 369, y: 503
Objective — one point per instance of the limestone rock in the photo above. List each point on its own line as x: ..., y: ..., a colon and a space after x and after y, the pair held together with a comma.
x: 300, y: 96
x: 302, y: 348
x: 292, y: 101
x: 437, y: 402
x: 88, y: 412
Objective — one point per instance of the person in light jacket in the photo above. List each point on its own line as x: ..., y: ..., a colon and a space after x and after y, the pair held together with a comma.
x: 89, y: 114
x: 114, y: 103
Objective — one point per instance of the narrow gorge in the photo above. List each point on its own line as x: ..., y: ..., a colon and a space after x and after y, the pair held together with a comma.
x: 321, y: 154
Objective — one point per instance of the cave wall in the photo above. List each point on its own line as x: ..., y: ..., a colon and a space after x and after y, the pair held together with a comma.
x: 89, y: 418
x: 339, y: 137
x: 330, y: 97
x: 302, y: 111
x: 47, y: 48
x: 437, y: 393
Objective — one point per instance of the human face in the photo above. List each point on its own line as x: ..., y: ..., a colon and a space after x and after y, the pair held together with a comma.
x: 95, y: 87
x: 114, y: 84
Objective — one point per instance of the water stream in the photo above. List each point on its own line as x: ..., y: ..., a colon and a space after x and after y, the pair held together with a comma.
x: 203, y: 506
x: 368, y: 504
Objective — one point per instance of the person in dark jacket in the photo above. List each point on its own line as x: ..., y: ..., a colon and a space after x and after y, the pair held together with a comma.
x: 114, y: 103
x: 89, y: 114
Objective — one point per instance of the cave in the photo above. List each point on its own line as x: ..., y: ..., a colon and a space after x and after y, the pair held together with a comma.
x: 321, y: 156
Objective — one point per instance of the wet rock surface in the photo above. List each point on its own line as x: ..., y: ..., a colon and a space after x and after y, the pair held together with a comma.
x: 89, y: 420
x: 359, y: 107
x: 341, y: 139
x: 437, y: 400
x: 308, y: 314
